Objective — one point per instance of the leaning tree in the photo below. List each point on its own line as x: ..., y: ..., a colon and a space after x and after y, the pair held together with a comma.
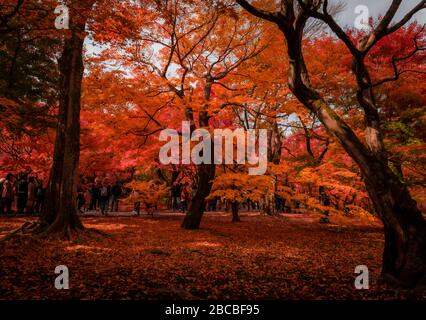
x: 404, y: 257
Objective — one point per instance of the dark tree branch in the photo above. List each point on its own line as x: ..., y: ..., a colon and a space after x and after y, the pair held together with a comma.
x: 262, y: 14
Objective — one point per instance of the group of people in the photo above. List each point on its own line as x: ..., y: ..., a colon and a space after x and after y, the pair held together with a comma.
x: 99, y: 195
x: 182, y: 195
x: 23, y: 192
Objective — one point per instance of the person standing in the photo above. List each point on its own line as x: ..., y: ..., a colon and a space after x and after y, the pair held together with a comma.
x: 22, y: 194
x: 115, y: 196
x: 185, y: 197
x: 87, y: 198
x: 80, y: 198
x: 39, y: 196
x: 94, y: 192
x: 7, y: 195
x: 134, y: 195
x: 104, y: 195
x: 212, y: 204
x: 176, y: 193
x: 31, y: 195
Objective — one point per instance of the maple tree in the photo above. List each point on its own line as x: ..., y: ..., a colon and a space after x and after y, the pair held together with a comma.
x: 404, y: 259
x: 149, y: 193
x: 204, y: 46
x: 27, y: 106
x: 345, y: 130
x: 237, y: 187
x: 61, y: 214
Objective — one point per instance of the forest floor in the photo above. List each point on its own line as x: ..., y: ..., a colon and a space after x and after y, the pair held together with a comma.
x: 283, y: 257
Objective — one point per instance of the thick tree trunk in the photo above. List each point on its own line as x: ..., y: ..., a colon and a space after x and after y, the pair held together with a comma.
x: 51, y: 201
x: 235, y: 215
x: 60, y: 210
x: 205, y: 172
x: 404, y: 256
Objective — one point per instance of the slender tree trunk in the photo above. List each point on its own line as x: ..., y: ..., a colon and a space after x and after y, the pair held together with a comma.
x: 274, y: 156
x: 235, y: 216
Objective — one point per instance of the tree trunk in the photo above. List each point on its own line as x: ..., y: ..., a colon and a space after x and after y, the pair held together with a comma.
x: 51, y: 201
x: 205, y: 172
x: 60, y: 214
x: 274, y: 156
x: 404, y: 256
x: 235, y: 215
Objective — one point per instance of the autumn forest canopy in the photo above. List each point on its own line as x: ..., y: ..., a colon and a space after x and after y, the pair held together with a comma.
x: 84, y: 108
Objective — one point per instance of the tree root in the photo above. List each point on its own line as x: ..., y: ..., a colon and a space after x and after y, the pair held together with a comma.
x: 97, y: 232
x: 26, y: 228
x: 42, y: 230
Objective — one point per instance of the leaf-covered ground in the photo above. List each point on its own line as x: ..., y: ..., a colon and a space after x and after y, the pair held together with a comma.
x: 286, y: 257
